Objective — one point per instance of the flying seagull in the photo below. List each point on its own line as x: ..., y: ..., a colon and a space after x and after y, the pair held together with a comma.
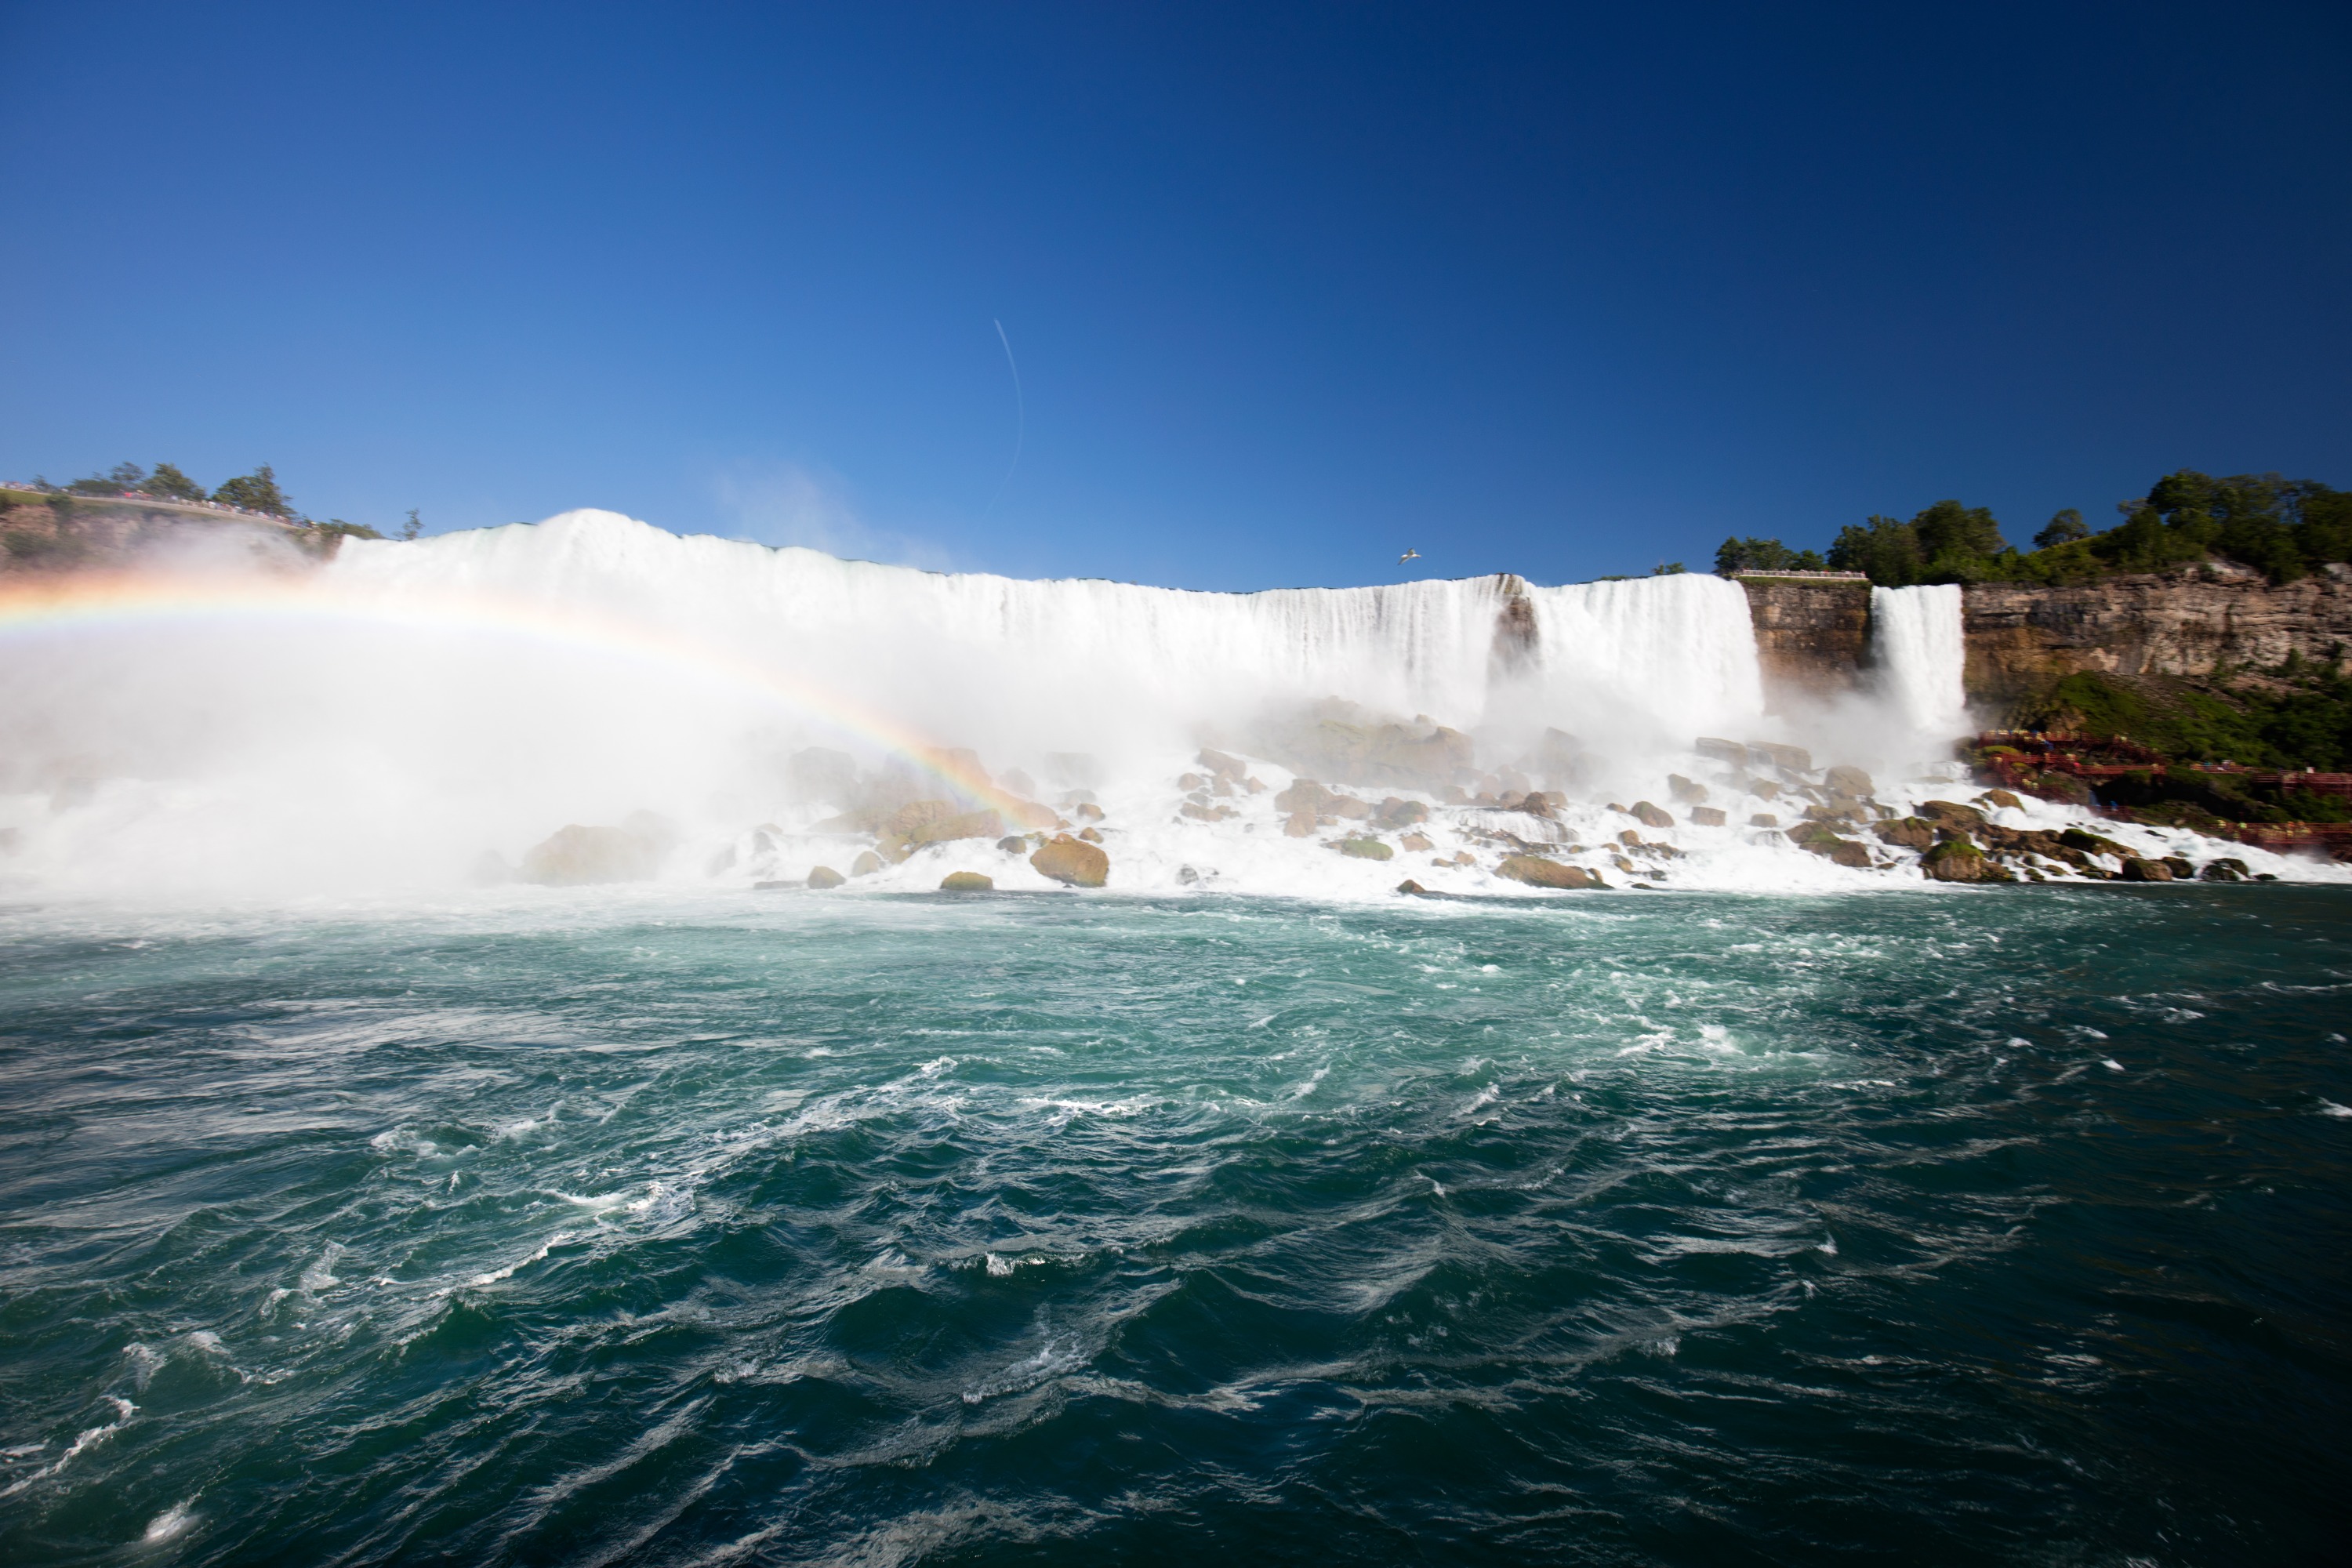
x: 1407, y: 555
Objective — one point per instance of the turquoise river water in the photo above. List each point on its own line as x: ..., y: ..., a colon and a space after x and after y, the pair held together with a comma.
x: 2010, y: 1226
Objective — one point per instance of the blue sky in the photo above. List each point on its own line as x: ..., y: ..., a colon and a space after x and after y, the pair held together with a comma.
x: 1558, y: 290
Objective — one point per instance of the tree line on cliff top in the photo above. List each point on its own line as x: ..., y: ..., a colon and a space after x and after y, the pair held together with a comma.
x: 257, y: 491
x: 2282, y: 528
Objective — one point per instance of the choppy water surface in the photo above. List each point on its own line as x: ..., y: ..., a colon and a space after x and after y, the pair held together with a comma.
x: 2001, y: 1226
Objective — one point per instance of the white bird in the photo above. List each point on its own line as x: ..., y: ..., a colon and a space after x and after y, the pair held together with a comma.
x: 1407, y: 555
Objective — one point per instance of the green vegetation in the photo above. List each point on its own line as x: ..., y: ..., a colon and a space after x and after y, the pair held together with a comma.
x: 2285, y: 529
x: 1737, y: 555
x: 2296, y: 715
x: 256, y: 491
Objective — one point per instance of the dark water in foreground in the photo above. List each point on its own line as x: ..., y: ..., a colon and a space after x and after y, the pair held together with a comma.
x: 2003, y: 1227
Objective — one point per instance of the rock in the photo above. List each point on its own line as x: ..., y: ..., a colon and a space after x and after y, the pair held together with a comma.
x: 773, y: 885
x: 1410, y: 886
x: 1088, y: 811
x: 1688, y: 791
x: 865, y: 864
x: 924, y: 822
x: 1396, y: 812
x: 1957, y: 861
x: 1537, y: 872
x: 1763, y: 819
x: 1189, y: 781
x: 1254, y: 785
x: 1338, y: 743
x: 1030, y: 814
x: 1907, y: 833
x: 1201, y: 813
x: 1088, y: 836
x: 1950, y: 813
x: 2138, y: 870
x: 2003, y: 799
x: 576, y: 857
x: 1073, y: 862
x: 967, y: 882
x: 1716, y: 751
x: 825, y: 877
x: 1419, y: 843
x: 1365, y: 849
x: 1794, y: 759
x: 2224, y: 871
x: 1651, y: 816
x: 1013, y: 781
x: 1816, y: 838
x: 1304, y: 795
x: 1299, y: 825
x: 2092, y: 844
x: 1844, y: 780
x: 1707, y: 816
x: 1349, y: 808
x: 1221, y: 765
x: 1763, y: 789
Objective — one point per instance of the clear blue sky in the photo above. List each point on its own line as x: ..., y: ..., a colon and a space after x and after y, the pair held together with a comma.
x: 1560, y: 290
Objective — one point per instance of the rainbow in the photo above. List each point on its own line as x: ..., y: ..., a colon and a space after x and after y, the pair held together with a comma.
x: 98, y: 603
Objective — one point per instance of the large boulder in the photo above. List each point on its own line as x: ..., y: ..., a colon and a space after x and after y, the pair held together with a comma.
x: 1304, y: 795
x: 967, y: 882
x: 923, y: 822
x: 1299, y: 825
x: 1959, y: 861
x: 1795, y: 758
x: 1907, y: 833
x: 2139, y: 870
x: 1220, y: 766
x: 1818, y: 839
x: 825, y: 877
x: 1719, y: 750
x: 1951, y: 814
x: 1030, y: 814
x: 1349, y: 808
x: 575, y: 856
x: 1687, y: 792
x: 1072, y: 862
x: 1365, y: 849
x: 1844, y: 780
x: 1538, y: 872
x: 1707, y: 816
x: 1649, y: 815
x: 1399, y: 813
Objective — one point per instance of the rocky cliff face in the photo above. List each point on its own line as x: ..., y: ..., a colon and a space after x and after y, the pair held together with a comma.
x: 2193, y: 623
x: 1812, y: 638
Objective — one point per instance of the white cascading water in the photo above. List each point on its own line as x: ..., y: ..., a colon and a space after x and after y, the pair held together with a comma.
x: 408, y: 713
x: 1921, y: 654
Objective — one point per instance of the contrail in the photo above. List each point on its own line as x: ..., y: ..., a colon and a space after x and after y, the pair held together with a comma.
x: 1021, y: 418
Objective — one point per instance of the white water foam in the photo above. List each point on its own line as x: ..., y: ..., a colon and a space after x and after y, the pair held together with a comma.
x: 426, y: 707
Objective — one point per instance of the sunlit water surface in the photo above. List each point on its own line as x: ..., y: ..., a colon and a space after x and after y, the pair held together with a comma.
x: 1992, y: 1226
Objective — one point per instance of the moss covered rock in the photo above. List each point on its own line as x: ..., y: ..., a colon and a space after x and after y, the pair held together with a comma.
x: 967, y: 882
x: 1537, y: 872
x: 1365, y: 849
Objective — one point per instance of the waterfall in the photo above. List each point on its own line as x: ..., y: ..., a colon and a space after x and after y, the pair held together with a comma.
x: 1921, y: 654
x: 1024, y: 667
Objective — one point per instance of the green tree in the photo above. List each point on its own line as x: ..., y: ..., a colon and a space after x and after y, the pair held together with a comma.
x: 256, y: 491
x: 412, y: 528
x: 113, y: 483
x: 170, y: 484
x: 1737, y: 555
x: 1887, y: 550
x: 2064, y: 529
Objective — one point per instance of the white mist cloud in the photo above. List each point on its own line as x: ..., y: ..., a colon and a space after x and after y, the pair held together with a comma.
x: 785, y: 503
